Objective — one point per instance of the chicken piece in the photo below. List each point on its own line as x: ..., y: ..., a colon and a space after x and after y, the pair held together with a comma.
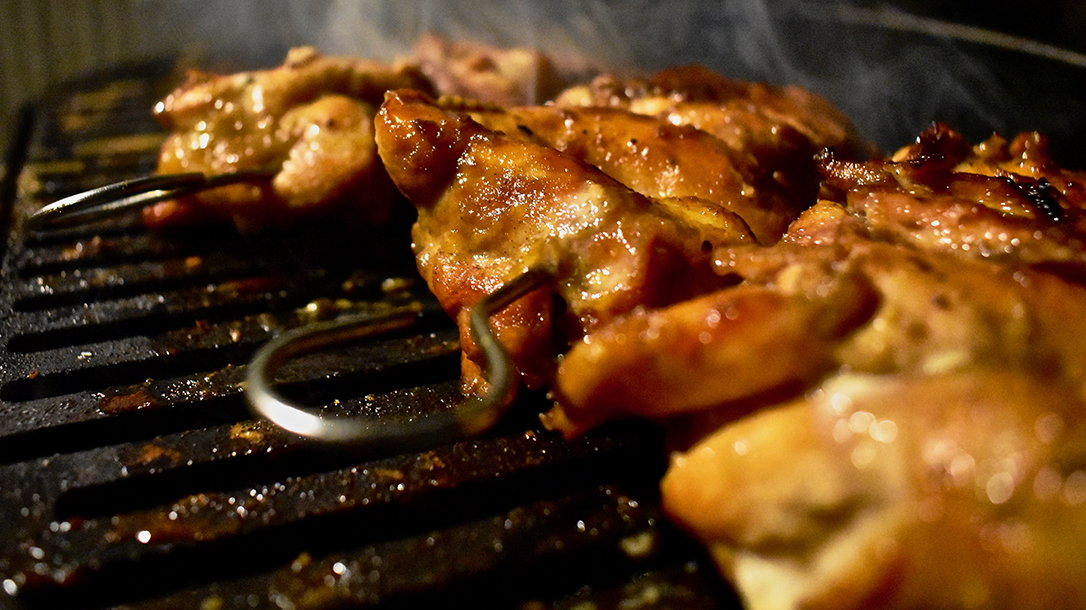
x: 309, y: 122
x: 950, y: 351
x: 741, y: 347
x: 661, y: 160
x: 803, y: 312
x: 934, y: 301
x: 998, y: 200
x: 959, y: 490
x: 761, y: 105
x: 491, y: 206
x: 778, y: 128
x: 478, y: 71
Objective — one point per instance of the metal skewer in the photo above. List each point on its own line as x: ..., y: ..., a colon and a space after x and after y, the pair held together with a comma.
x: 474, y: 416
x: 114, y: 199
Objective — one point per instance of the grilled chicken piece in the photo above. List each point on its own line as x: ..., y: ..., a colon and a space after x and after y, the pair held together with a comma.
x: 787, y: 391
x: 491, y: 206
x: 757, y: 106
x: 803, y: 312
x: 777, y: 129
x: 478, y: 71
x: 659, y: 159
x: 919, y: 232
x: 998, y: 200
x: 956, y: 490
x: 308, y: 121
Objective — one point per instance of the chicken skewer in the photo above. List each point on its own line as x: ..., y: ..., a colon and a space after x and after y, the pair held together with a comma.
x: 914, y: 441
x: 262, y: 149
x: 621, y: 206
x: 890, y: 388
x: 138, y: 193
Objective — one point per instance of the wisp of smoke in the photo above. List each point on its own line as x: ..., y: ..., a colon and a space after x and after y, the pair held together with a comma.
x: 892, y: 73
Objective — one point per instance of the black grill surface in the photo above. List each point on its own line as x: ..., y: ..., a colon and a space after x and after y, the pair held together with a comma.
x: 132, y: 476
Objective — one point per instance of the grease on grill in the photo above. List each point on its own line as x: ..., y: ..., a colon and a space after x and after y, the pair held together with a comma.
x: 151, y: 453
x: 137, y: 398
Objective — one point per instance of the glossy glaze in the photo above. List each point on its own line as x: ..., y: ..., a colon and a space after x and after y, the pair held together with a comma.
x: 308, y: 121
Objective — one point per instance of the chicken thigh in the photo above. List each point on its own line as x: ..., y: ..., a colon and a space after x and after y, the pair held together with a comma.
x: 490, y: 207
x: 957, y: 490
x: 307, y: 123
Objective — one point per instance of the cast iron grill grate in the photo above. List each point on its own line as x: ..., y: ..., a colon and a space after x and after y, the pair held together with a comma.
x: 132, y: 476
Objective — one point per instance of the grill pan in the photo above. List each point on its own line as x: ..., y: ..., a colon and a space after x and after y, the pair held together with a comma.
x: 132, y: 476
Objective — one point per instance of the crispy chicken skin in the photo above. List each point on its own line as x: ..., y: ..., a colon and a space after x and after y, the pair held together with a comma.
x: 492, y: 206
x: 999, y: 200
x: 308, y: 121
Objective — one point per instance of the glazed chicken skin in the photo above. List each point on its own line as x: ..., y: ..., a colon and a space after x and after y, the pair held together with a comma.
x: 999, y: 200
x: 865, y: 419
x: 308, y: 123
x: 661, y: 160
x: 772, y: 132
x: 492, y: 206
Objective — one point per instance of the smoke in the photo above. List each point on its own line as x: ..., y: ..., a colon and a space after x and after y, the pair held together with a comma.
x: 893, y: 74
x: 248, y: 33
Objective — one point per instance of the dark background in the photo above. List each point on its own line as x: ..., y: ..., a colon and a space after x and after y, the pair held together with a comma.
x: 1058, y: 22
